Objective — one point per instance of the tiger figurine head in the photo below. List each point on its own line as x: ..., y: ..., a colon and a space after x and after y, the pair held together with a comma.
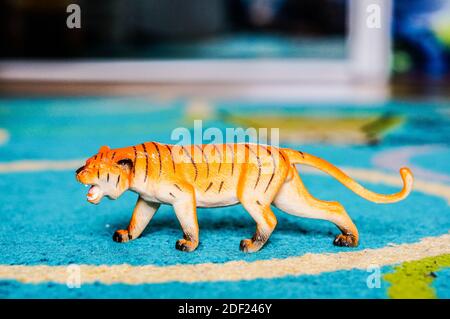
x: 107, y: 173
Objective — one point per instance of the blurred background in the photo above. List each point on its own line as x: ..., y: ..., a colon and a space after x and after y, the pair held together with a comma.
x: 175, y: 29
x: 363, y: 84
x: 230, y: 41
x: 209, y: 51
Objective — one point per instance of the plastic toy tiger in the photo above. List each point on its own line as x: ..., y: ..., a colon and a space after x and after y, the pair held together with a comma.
x: 187, y: 177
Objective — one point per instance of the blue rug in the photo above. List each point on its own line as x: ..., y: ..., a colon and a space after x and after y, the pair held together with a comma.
x: 46, y: 220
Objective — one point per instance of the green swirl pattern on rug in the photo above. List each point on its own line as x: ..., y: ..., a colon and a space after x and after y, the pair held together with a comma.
x: 413, y: 279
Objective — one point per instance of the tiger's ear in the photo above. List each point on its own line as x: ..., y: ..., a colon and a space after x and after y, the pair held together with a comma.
x: 126, y: 162
x: 104, y: 149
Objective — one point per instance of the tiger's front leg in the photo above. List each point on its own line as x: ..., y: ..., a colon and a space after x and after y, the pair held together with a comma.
x: 142, y: 214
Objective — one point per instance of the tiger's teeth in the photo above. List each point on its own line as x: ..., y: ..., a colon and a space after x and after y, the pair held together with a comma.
x: 94, y: 193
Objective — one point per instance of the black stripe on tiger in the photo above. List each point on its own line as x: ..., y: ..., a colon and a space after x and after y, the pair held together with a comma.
x: 220, y: 187
x: 192, y: 162
x: 232, y: 158
x: 209, y: 186
x: 118, y: 180
x: 159, y: 157
x: 282, y: 155
x: 205, y: 158
x: 146, y: 161
x: 135, y: 160
x: 178, y: 187
x: 171, y: 157
x: 274, y: 168
x: 259, y: 164
x: 220, y: 157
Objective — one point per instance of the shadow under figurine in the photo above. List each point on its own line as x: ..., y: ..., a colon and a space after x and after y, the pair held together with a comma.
x: 216, y: 175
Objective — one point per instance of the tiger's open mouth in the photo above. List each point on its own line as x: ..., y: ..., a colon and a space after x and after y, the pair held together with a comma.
x: 94, y: 194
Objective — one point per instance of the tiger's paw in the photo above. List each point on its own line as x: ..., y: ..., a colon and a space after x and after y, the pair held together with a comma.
x: 249, y: 246
x: 345, y: 240
x: 186, y: 245
x: 122, y: 236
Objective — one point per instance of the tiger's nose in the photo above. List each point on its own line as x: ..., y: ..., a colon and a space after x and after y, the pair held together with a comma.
x: 79, y: 170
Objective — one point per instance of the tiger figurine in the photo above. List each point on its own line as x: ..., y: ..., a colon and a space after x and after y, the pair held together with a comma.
x: 215, y: 175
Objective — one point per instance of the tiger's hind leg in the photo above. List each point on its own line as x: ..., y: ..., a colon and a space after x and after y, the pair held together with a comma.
x: 293, y: 198
x: 257, y: 189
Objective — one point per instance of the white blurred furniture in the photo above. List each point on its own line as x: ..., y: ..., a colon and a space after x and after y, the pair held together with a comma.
x: 364, y: 74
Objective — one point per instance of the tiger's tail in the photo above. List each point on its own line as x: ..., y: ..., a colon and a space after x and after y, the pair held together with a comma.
x: 297, y: 157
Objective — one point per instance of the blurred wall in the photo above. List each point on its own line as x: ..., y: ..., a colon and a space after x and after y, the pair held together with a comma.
x: 37, y: 28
